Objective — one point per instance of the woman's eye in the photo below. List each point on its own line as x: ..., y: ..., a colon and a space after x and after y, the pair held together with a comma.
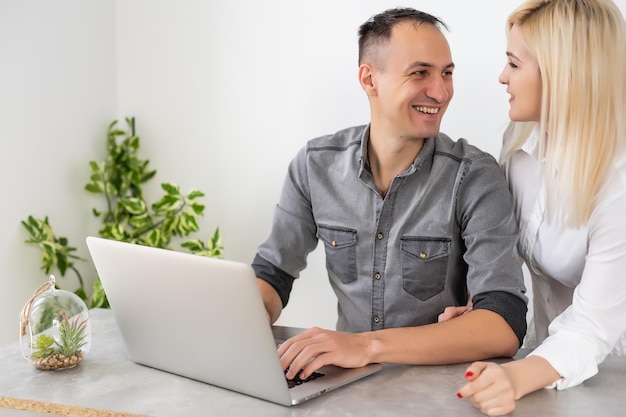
x: 512, y: 65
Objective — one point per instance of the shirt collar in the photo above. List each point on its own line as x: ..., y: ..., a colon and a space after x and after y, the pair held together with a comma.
x: 363, y: 165
x: 531, y: 146
x: 427, y: 150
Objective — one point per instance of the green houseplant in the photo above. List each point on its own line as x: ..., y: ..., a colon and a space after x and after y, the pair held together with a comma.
x: 126, y: 215
x: 51, y: 354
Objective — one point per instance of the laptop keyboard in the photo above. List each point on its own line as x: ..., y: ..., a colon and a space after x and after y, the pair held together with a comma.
x: 297, y: 381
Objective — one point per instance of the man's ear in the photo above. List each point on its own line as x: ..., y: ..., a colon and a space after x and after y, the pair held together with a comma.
x: 367, y: 79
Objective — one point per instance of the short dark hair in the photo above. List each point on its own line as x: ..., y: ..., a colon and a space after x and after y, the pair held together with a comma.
x: 378, y: 28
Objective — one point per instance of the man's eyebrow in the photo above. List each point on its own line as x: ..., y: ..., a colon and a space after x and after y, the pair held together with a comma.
x: 429, y: 65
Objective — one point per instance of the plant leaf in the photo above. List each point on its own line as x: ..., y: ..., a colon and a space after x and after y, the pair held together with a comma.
x: 133, y: 205
x: 98, y: 296
x: 193, y: 194
x: 171, y: 188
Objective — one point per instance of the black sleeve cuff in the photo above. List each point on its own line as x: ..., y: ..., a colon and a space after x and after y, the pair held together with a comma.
x: 512, y: 308
x: 280, y: 280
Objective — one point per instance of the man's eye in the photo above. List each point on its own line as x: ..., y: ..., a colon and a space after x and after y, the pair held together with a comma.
x: 447, y: 73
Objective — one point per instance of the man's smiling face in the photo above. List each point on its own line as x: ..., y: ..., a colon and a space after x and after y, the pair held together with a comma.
x: 412, y: 80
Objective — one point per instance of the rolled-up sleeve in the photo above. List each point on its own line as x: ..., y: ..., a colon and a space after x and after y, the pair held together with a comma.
x: 282, y: 257
x: 486, y: 212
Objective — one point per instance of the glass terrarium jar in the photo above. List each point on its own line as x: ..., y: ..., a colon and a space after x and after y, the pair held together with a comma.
x: 55, y: 332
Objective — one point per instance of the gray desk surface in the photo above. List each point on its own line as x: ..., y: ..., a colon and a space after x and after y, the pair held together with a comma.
x: 107, y: 380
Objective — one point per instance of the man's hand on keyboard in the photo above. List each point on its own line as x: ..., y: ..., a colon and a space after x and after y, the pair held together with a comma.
x: 316, y: 347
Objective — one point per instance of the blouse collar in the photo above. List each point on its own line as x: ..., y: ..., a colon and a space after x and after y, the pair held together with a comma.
x: 531, y: 146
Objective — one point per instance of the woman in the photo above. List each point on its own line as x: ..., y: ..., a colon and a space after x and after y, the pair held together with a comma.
x: 565, y: 159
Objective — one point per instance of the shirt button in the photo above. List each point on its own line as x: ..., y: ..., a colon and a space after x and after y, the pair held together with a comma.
x: 379, y: 236
x: 377, y: 275
x: 376, y: 319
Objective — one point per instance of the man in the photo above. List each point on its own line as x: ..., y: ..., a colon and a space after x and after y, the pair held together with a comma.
x: 411, y: 221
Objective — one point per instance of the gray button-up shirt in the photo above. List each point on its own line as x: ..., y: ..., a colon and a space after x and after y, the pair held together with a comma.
x: 445, y: 228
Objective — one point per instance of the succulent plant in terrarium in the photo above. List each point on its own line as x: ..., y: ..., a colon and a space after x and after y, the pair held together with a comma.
x: 50, y: 353
x: 55, y: 330
x: 43, y: 346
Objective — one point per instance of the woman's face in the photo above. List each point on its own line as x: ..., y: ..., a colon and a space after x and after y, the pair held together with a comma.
x: 522, y: 77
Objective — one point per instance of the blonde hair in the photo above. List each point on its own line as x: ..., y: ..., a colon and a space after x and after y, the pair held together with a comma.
x: 580, y: 46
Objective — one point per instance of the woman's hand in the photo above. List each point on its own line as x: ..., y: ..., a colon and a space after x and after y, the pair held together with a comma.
x: 490, y: 388
x: 452, y: 312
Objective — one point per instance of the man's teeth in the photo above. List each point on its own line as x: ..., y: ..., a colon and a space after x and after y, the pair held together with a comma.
x: 429, y: 110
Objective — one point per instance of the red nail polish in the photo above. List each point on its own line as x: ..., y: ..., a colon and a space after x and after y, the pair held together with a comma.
x: 458, y: 394
x: 469, y: 374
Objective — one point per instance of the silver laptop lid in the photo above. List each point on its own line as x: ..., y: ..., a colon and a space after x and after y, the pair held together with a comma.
x: 198, y: 317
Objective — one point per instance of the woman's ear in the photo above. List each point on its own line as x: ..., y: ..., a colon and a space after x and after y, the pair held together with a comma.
x: 367, y: 79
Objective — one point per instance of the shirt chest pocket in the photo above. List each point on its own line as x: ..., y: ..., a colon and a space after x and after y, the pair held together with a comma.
x: 424, y: 265
x: 340, y: 247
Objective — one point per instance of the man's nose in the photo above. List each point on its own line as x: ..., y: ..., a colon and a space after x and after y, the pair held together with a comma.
x: 440, y: 90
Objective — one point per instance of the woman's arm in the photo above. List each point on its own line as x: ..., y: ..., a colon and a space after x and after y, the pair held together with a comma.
x: 580, y: 337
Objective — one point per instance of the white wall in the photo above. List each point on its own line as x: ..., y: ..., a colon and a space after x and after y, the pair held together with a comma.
x: 57, y: 94
x: 224, y: 93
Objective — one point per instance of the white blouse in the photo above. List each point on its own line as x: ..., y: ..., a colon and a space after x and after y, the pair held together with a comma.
x: 578, y: 275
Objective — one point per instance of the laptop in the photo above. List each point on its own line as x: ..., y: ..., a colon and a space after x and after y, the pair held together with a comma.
x: 202, y: 318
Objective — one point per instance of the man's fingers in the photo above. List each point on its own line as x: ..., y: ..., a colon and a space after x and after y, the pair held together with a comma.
x: 299, y: 350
